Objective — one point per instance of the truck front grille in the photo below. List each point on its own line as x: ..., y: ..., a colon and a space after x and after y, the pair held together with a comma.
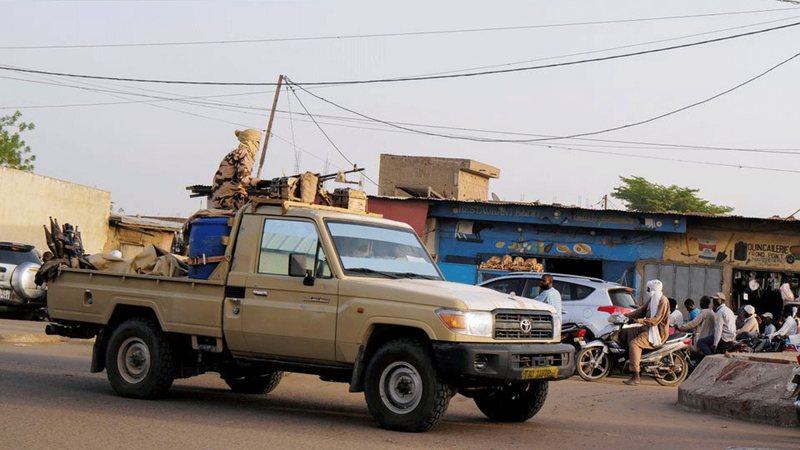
x: 524, y: 361
x: 518, y: 325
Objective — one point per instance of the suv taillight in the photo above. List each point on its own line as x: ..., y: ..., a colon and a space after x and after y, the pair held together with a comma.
x: 613, y: 309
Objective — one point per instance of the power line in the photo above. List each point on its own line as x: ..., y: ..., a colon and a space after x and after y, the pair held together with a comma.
x: 386, y: 35
x: 435, y: 73
x: 289, y: 83
x: 608, y: 49
x: 737, y: 166
x: 576, y: 135
x: 227, y: 106
x: 415, y: 78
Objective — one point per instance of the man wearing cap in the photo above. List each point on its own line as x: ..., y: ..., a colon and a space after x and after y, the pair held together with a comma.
x: 724, y: 332
x: 233, y: 176
x: 769, y: 327
x: 750, y: 324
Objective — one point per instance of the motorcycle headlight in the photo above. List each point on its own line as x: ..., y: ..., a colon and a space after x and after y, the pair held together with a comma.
x: 470, y: 323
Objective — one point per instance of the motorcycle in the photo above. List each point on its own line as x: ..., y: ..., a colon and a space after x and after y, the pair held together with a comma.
x: 574, y: 334
x: 668, y: 364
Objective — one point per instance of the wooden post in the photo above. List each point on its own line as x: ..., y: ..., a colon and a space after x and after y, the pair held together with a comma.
x: 269, y: 126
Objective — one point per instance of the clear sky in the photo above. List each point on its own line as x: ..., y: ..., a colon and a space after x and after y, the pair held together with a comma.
x: 146, y: 152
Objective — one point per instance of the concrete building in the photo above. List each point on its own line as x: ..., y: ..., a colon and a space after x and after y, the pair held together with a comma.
x: 423, y: 176
x: 29, y: 200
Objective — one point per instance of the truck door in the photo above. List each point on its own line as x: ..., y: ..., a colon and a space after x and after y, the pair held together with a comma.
x: 281, y: 316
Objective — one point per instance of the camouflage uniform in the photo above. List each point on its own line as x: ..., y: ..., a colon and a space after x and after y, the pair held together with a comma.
x: 233, y: 176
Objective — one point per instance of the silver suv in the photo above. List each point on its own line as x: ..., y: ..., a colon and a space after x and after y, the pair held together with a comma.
x: 584, y: 300
x: 19, y: 296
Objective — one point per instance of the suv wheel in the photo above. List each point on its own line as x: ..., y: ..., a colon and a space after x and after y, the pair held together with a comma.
x: 514, y: 404
x: 255, y: 384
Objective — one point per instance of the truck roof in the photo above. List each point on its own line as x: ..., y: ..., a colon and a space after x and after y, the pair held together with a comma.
x: 271, y: 206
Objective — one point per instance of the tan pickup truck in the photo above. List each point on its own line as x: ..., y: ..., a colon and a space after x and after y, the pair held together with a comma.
x: 353, y: 298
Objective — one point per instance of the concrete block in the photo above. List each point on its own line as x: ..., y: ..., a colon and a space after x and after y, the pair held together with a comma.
x: 744, y: 389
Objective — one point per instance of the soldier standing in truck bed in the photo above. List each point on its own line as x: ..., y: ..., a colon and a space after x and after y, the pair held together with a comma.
x: 233, y: 176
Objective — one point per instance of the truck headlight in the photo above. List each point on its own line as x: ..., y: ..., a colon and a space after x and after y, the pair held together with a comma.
x: 557, y: 326
x: 471, y: 323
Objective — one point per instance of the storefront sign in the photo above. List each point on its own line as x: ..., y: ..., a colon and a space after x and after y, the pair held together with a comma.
x: 737, y: 249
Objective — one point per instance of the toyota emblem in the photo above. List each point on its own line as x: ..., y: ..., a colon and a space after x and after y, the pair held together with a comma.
x: 525, y: 325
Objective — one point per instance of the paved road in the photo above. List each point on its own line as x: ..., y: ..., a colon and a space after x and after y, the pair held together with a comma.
x: 49, y: 400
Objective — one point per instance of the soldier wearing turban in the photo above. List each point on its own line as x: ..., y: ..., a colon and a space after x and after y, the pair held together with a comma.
x: 233, y: 176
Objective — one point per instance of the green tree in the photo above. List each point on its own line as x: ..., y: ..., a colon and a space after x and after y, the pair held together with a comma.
x: 642, y: 195
x: 13, y: 150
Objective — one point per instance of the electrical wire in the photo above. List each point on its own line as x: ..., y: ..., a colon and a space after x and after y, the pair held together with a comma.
x: 571, y: 136
x: 434, y: 73
x: 228, y: 106
x: 385, y: 35
x: 417, y: 78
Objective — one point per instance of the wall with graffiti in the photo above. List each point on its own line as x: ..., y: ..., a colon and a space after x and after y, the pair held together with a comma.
x: 739, y: 249
x: 464, y: 246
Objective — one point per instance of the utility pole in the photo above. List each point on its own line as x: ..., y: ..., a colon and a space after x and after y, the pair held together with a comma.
x: 269, y: 126
x: 605, y: 201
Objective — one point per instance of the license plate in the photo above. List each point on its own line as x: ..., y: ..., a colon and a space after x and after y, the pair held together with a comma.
x: 5, y: 294
x: 539, y: 373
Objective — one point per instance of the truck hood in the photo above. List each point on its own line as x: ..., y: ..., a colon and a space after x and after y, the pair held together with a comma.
x: 438, y: 293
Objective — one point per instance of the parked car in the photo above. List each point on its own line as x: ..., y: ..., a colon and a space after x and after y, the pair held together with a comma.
x: 585, y: 300
x: 20, y: 298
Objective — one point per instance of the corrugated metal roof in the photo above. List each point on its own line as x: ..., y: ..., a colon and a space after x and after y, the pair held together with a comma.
x: 145, y: 222
x: 578, y: 208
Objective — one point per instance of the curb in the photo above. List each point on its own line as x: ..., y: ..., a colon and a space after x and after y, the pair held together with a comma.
x: 31, y: 339
x: 743, y: 389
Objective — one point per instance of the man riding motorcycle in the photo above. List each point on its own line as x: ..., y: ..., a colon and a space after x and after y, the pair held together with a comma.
x: 654, y: 318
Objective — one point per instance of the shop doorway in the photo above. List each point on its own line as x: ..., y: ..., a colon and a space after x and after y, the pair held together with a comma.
x: 762, y: 289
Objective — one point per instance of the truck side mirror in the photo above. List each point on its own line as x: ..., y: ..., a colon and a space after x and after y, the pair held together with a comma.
x: 297, y: 265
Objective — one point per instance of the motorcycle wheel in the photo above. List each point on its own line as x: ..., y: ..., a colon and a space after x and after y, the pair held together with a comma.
x: 592, y: 364
x: 679, y: 372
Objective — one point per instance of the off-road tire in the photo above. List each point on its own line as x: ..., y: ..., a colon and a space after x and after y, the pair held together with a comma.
x: 139, y: 361
x: 403, y: 388
x: 583, y: 365
x: 255, y: 384
x: 682, y: 366
x: 514, y: 404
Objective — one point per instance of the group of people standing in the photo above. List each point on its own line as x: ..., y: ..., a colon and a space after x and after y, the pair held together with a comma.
x: 716, y: 327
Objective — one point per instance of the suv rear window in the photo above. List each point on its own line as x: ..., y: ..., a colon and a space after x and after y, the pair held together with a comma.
x: 622, y: 298
x: 10, y: 256
x: 568, y: 291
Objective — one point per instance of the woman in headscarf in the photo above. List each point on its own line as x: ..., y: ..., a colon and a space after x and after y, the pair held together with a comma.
x: 654, y: 318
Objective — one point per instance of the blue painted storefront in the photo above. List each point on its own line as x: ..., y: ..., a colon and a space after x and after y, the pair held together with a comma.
x: 470, y: 233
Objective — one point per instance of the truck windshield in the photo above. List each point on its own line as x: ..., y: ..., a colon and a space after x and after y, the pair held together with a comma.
x: 373, y: 250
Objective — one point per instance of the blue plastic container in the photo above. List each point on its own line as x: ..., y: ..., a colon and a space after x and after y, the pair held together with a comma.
x: 205, y: 238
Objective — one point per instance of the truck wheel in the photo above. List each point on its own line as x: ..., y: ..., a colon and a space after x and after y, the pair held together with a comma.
x: 515, y: 404
x: 255, y: 384
x: 139, y: 360
x: 403, y: 388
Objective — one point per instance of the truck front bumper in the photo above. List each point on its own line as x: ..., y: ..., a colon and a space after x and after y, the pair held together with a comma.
x: 467, y: 364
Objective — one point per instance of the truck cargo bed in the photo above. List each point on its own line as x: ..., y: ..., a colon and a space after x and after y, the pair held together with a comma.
x: 182, y: 305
